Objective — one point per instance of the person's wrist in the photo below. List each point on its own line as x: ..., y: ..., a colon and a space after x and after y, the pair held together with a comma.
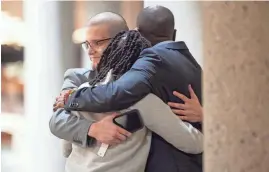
x: 92, y: 130
x: 69, y: 93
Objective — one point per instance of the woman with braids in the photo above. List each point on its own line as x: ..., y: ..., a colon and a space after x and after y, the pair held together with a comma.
x: 131, y: 155
x: 121, y: 54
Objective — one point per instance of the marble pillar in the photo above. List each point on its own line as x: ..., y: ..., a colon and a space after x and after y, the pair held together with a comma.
x: 49, y: 51
x: 236, y: 86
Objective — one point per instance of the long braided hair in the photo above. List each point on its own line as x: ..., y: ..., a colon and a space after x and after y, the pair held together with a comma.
x: 120, y: 55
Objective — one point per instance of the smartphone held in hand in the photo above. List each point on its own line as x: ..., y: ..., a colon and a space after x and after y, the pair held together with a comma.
x: 130, y: 121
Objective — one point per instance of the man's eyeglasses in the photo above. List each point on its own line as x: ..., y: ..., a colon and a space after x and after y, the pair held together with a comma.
x: 93, y: 44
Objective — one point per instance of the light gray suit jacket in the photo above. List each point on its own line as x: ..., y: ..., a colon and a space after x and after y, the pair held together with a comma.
x: 159, y: 119
x: 69, y: 127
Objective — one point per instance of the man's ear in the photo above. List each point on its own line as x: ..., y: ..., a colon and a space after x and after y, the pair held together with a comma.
x: 174, y: 35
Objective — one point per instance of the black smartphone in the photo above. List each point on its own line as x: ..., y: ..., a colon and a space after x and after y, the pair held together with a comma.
x: 130, y: 121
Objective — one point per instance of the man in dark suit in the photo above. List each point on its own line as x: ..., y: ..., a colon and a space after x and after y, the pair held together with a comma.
x: 166, y: 67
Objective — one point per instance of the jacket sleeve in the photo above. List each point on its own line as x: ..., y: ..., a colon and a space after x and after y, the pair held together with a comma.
x: 69, y: 127
x: 122, y: 93
x: 159, y: 118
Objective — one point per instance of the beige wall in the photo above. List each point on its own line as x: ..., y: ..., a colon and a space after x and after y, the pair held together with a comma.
x: 130, y: 10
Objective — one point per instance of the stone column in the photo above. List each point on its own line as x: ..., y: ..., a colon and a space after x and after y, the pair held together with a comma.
x: 236, y: 86
x: 49, y: 51
x: 187, y: 22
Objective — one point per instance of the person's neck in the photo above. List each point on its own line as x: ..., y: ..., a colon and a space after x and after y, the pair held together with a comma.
x: 159, y: 40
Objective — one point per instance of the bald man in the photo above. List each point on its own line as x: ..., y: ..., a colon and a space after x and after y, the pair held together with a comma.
x: 100, y: 30
x: 166, y: 67
x: 79, y: 130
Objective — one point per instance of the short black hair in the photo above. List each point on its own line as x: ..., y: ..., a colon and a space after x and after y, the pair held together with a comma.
x: 121, y: 54
x: 156, y: 23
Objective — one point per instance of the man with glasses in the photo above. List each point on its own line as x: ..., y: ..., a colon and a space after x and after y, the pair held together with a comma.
x: 94, y: 48
x: 99, y: 33
x: 100, y: 29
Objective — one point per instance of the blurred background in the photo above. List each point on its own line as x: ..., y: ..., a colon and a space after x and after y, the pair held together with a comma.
x: 38, y: 43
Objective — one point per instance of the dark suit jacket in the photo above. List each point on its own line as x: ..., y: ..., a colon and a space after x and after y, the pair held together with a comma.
x: 162, y: 69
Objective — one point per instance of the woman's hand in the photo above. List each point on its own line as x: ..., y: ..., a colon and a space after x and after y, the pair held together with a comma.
x: 191, y: 110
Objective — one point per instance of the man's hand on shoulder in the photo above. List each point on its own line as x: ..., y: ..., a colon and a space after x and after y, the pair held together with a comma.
x: 105, y: 131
